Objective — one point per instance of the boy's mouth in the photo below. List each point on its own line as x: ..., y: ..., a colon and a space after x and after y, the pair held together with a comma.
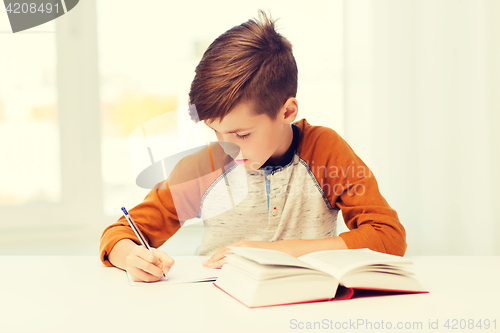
x: 240, y: 161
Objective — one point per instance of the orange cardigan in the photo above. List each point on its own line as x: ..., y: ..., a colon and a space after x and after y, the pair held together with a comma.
x: 341, y: 177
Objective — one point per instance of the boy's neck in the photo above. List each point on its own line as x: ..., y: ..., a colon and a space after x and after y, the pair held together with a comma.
x: 285, y: 146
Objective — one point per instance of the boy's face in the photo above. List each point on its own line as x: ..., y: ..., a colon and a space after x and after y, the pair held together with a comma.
x: 258, y: 137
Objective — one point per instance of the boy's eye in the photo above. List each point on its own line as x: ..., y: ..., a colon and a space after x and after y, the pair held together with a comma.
x: 243, y: 136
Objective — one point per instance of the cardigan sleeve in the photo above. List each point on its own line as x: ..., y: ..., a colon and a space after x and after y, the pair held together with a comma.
x: 171, y: 202
x: 371, y: 221
x: 155, y: 216
x: 351, y: 187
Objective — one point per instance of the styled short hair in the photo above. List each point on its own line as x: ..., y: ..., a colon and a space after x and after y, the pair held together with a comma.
x: 251, y: 63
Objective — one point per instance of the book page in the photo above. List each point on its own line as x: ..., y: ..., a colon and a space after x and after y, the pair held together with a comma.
x: 263, y: 272
x: 339, y: 262
x: 185, y: 269
x: 269, y: 257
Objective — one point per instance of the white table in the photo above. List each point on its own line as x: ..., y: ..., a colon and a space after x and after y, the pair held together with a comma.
x: 79, y: 294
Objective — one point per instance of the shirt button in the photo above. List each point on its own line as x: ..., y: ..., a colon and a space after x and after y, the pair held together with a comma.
x: 274, y: 212
x: 268, y: 177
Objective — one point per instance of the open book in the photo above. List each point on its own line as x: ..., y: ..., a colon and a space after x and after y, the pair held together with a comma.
x: 261, y: 277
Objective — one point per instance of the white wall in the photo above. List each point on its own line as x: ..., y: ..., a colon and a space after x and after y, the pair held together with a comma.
x: 423, y: 109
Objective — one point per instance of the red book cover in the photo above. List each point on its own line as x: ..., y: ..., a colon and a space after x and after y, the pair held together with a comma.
x: 343, y: 293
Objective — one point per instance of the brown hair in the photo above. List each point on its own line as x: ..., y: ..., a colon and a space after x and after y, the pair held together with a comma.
x: 249, y: 63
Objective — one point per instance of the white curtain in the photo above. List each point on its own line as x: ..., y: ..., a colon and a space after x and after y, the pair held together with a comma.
x: 422, y: 109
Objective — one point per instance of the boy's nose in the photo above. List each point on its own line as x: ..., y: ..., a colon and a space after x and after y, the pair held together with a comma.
x: 231, y: 149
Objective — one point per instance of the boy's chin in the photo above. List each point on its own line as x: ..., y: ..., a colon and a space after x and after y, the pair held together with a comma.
x: 247, y: 164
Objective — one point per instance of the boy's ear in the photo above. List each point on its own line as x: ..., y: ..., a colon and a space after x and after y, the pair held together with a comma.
x: 291, y: 109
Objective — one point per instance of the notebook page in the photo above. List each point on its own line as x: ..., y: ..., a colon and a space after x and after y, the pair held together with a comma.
x: 185, y: 269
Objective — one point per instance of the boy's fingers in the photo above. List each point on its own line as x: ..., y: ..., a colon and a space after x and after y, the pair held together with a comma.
x: 166, y: 264
x: 139, y: 275
x: 217, y: 264
x: 165, y: 259
x: 215, y: 257
x: 145, y: 266
x: 147, y: 255
x: 143, y: 253
x: 218, y: 259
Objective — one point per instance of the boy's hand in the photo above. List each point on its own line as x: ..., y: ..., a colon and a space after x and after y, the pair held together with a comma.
x: 218, y: 259
x: 147, y: 266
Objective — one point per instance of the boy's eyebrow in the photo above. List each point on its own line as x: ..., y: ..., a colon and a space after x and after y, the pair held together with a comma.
x: 233, y: 131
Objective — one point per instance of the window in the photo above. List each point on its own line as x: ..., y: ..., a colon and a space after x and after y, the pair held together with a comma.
x: 29, y: 127
x: 49, y: 126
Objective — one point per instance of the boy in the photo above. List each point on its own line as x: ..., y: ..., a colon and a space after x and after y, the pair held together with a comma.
x: 300, y: 175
